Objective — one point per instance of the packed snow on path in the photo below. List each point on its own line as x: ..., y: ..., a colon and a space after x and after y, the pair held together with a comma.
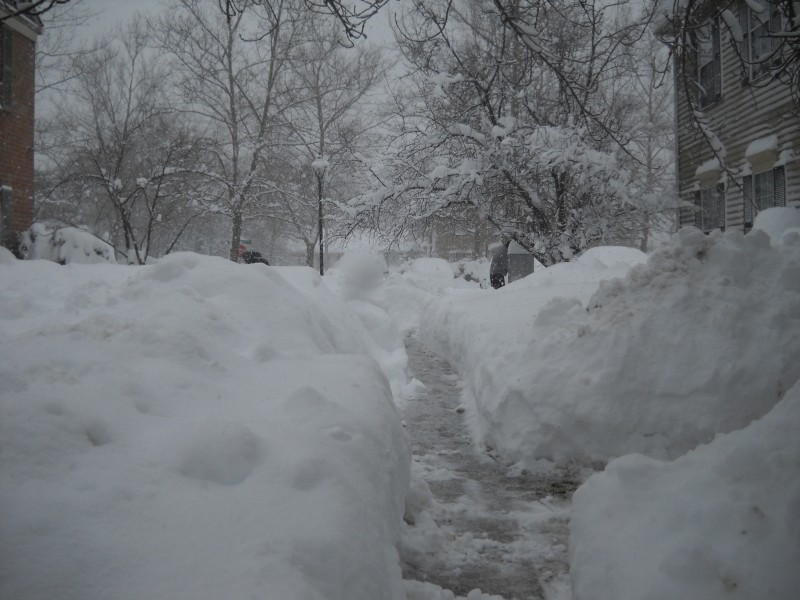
x: 470, y: 523
x: 193, y: 429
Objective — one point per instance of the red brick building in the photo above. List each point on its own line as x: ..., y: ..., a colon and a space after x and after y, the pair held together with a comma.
x: 17, y: 54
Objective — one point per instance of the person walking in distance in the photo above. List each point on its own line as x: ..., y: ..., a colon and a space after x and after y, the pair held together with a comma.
x: 498, y: 268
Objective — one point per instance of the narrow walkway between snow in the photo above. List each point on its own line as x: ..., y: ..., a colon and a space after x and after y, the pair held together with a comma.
x: 505, y: 533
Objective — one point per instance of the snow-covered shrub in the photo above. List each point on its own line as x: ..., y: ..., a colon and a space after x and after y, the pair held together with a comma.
x: 473, y: 270
x: 719, y: 523
x: 64, y: 245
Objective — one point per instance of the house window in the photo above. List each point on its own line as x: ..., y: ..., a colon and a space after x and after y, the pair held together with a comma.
x: 761, y: 191
x: 710, y: 209
x: 6, y: 60
x: 760, y: 46
x: 6, y: 231
x: 707, y: 73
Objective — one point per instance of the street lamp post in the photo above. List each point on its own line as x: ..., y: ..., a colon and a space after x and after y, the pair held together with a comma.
x: 320, y: 166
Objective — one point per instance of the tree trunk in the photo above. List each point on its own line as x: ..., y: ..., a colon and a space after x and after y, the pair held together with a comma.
x: 236, y: 235
x: 310, y: 247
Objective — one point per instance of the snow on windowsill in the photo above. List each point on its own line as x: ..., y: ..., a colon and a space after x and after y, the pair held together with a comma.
x: 762, y: 146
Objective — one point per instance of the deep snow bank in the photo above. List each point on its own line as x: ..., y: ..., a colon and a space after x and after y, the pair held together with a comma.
x: 483, y: 333
x: 700, y: 340
x: 192, y: 429
x: 720, y: 523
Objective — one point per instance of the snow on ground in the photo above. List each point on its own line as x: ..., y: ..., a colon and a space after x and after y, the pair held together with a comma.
x: 196, y: 428
x: 483, y: 333
x: 702, y: 339
x: 687, y: 357
x: 193, y: 429
x: 720, y: 523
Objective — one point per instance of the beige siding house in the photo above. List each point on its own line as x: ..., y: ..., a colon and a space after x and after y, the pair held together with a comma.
x: 738, y: 143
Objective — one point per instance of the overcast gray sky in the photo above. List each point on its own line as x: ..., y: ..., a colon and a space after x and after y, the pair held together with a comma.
x: 111, y: 12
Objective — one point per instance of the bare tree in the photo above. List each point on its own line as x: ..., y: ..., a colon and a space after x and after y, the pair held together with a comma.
x: 230, y: 78
x: 530, y: 136
x: 331, y: 118
x: 124, y: 163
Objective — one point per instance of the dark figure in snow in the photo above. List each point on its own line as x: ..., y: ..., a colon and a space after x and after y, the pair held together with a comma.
x: 250, y: 257
x: 498, y: 268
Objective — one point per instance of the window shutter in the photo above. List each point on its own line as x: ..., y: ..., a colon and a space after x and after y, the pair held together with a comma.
x: 775, y: 27
x: 8, y: 44
x: 747, y: 195
x: 780, y: 186
x: 744, y: 47
x: 690, y: 68
x: 6, y: 235
x: 716, y: 93
x: 698, y: 210
x: 720, y: 206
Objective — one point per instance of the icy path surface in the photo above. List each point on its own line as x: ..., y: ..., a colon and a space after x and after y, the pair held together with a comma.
x: 488, y: 527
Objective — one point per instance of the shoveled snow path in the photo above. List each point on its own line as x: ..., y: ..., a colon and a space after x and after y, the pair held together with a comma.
x: 488, y: 527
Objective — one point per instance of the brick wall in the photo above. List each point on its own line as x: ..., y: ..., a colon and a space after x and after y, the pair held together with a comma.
x: 16, y: 135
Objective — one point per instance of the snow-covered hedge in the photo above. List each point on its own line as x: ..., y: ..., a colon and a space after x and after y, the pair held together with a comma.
x: 721, y: 523
x: 192, y: 429
x: 64, y: 245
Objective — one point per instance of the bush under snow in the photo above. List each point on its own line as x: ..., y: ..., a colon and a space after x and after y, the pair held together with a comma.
x: 65, y: 245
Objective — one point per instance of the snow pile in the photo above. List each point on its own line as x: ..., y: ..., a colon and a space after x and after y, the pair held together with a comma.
x: 409, y: 289
x: 433, y: 273
x: 779, y: 222
x: 360, y: 279
x: 700, y: 340
x: 610, y: 257
x: 483, y: 333
x: 722, y: 522
x: 65, y: 245
x: 358, y: 272
x: 192, y: 429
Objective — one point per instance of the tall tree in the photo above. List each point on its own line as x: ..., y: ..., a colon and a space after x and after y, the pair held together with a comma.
x: 528, y: 134
x: 231, y: 71
x: 331, y: 118
x: 122, y: 155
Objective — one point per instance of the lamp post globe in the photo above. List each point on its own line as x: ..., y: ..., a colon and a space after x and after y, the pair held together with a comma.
x: 320, y: 167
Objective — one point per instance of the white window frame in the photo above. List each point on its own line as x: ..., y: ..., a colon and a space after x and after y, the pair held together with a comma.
x: 754, y: 189
x: 710, y: 212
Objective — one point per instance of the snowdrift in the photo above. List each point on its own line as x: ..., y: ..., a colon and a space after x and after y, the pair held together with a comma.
x: 192, y: 429
x: 700, y: 340
x: 720, y: 523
